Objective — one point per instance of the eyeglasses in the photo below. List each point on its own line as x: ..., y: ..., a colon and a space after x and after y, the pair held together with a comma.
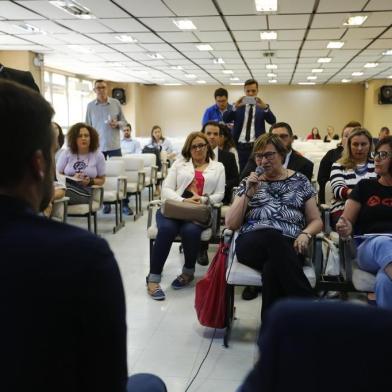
x: 267, y: 155
x: 196, y: 147
x: 381, y: 155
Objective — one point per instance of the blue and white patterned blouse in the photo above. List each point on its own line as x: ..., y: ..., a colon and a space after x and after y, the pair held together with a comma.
x: 278, y: 205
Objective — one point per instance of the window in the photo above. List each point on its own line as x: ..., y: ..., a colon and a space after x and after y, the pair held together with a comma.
x: 69, y: 97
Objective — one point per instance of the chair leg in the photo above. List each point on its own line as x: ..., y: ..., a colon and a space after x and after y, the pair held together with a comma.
x: 95, y: 223
x: 89, y: 221
x: 229, y: 313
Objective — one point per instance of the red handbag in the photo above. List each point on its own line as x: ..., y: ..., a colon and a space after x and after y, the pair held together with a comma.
x: 210, y: 295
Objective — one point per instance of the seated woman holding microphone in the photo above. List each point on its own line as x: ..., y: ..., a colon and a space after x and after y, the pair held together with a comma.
x: 194, y: 178
x: 369, y: 208
x: 276, y: 213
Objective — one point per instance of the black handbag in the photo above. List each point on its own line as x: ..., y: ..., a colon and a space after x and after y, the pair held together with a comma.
x: 77, y: 193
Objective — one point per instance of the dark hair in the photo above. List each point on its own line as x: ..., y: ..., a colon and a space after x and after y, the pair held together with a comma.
x: 60, y: 137
x: 213, y: 123
x: 221, y: 92
x: 281, y: 125
x: 387, y: 140
x: 267, y: 138
x: 226, y: 133
x: 99, y: 81
x: 73, y: 135
x: 128, y: 125
x: 186, y: 150
x: 384, y: 129
x: 251, y: 81
x: 152, y: 130
x: 25, y: 118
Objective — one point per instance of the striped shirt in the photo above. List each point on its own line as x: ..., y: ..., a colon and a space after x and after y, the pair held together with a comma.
x: 344, y: 179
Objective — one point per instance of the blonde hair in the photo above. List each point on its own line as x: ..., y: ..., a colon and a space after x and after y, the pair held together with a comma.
x: 347, y: 158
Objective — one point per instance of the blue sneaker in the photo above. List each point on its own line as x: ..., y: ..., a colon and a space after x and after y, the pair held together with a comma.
x: 127, y: 210
x: 182, y: 281
x: 156, y: 292
x: 107, y: 208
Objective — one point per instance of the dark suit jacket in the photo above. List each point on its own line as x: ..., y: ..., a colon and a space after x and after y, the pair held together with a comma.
x: 238, y: 117
x: 62, y: 307
x: 322, y: 346
x: 231, y: 170
x: 296, y: 162
x: 22, y: 77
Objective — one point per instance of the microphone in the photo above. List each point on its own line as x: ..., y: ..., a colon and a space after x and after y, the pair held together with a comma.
x: 259, y: 170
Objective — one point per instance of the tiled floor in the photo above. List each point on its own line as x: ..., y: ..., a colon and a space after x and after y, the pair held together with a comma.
x: 165, y: 337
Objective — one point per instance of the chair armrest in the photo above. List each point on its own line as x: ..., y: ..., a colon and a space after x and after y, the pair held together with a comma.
x: 56, y: 208
x: 326, y: 217
x: 141, y: 180
x: 151, y: 205
x: 154, y: 174
x: 96, y: 195
x: 121, y: 187
x: 348, y: 253
x: 165, y: 168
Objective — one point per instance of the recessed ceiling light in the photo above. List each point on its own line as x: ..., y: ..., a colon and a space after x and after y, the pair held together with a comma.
x: 271, y: 75
x: 218, y: 61
x: 268, y: 35
x: 271, y: 66
x: 73, y: 8
x: 204, y: 47
x: 234, y: 79
x: 201, y: 81
x: 387, y: 52
x: 307, y: 83
x: 272, y: 81
x: 80, y: 49
x: 178, y: 67
x: 155, y: 56
x: 324, y: 60
x: 266, y: 5
x: 172, y: 84
x: 190, y: 76
x: 317, y: 70
x: 184, y: 24
x: 335, y: 45
x: 29, y: 28
x: 346, y: 80
x: 371, y: 65
x: 355, y: 20
x: 236, y: 84
x: 311, y: 77
x: 126, y: 38
x: 228, y: 71
x: 357, y: 74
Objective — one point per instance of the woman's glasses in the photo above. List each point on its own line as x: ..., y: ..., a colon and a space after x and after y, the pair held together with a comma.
x: 196, y: 147
x: 267, y: 155
x: 381, y: 155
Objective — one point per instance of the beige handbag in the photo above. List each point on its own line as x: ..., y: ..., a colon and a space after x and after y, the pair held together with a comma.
x: 198, y: 213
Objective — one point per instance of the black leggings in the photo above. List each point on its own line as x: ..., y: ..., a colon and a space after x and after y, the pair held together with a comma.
x: 273, y: 254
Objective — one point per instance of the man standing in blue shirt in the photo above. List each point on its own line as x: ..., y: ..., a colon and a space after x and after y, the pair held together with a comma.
x: 106, y: 116
x: 215, y: 112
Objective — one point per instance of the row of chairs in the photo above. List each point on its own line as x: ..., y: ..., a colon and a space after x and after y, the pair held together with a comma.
x: 125, y: 177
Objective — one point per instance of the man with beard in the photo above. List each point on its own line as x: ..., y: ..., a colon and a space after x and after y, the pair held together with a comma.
x: 61, y: 296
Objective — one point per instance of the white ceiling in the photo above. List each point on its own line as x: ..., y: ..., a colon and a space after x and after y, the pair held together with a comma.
x: 231, y: 27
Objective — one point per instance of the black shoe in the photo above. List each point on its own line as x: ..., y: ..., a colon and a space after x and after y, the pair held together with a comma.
x: 107, y: 208
x: 250, y: 292
x: 202, y: 257
x: 127, y: 210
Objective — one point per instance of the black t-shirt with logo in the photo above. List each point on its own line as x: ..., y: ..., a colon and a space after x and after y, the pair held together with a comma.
x: 375, y: 215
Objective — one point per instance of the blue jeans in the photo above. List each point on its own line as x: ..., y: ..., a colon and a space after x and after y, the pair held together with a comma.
x: 374, y: 254
x: 112, y: 153
x: 168, y: 229
x: 144, y: 382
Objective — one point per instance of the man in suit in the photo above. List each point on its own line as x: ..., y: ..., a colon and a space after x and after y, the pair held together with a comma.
x: 61, y: 296
x: 293, y: 161
x: 22, y: 77
x: 213, y: 130
x: 249, y: 114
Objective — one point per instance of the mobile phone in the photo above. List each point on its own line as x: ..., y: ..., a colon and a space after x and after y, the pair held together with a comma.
x: 249, y: 100
x: 187, y: 194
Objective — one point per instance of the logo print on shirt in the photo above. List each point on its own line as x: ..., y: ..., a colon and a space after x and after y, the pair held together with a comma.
x: 387, y: 202
x: 373, y: 201
x: 79, y: 166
